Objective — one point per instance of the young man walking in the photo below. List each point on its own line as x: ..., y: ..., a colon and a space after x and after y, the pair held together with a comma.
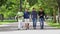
x: 20, y: 20
x: 41, y: 17
x: 34, y: 17
x: 26, y: 18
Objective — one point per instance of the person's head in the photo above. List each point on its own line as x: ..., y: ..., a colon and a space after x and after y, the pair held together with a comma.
x: 20, y: 10
x: 41, y: 9
x: 26, y: 9
x: 33, y: 9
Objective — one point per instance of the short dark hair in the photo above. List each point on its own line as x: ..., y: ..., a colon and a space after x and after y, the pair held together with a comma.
x: 40, y: 8
x: 33, y: 8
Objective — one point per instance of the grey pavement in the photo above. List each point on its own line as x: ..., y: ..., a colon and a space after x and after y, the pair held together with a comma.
x: 14, y: 27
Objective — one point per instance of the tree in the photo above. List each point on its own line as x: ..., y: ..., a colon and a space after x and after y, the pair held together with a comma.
x: 58, y: 1
x: 9, y: 8
x: 32, y: 2
x: 2, y: 2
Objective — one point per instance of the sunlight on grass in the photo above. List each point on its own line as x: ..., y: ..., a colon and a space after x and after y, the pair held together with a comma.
x: 50, y: 23
x: 7, y: 22
x: 1, y: 23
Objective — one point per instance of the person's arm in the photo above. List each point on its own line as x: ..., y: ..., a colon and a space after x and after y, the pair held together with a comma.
x: 44, y: 14
x: 38, y: 13
x: 23, y: 14
x: 17, y: 15
x: 31, y: 14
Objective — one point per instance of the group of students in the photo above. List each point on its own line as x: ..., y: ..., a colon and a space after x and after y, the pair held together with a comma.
x: 26, y: 16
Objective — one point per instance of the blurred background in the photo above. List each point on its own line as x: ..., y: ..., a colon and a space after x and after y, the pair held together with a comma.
x: 9, y: 9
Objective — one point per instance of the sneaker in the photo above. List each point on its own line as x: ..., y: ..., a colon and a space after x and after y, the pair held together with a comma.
x: 42, y: 28
x: 18, y: 29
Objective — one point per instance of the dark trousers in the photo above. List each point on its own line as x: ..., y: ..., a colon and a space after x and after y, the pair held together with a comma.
x: 41, y: 22
x: 34, y: 22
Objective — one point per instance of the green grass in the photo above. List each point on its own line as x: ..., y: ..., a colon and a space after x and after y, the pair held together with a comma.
x: 1, y: 23
x: 50, y: 23
x: 7, y: 22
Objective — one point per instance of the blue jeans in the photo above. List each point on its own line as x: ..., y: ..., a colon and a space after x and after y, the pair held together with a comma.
x: 34, y: 22
x: 41, y: 22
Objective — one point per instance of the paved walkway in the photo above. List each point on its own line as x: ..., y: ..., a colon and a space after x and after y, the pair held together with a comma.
x: 14, y: 27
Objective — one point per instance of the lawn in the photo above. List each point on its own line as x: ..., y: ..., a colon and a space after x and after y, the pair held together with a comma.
x: 7, y: 22
x: 50, y: 23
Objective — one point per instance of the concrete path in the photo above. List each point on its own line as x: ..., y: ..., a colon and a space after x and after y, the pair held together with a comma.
x: 14, y: 27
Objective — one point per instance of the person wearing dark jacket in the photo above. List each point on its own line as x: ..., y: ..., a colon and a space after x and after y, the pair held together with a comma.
x: 34, y: 17
x: 26, y: 18
x: 41, y: 17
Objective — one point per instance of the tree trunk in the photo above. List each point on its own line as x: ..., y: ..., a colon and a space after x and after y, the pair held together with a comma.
x: 20, y: 5
x: 59, y: 15
x: 54, y: 16
x: 58, y: 1
x: 20, y: 8
x: 2, y: 17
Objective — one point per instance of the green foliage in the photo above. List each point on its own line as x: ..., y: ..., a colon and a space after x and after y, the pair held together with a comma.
x: 10, y: 7
x: 32, y: 2
x: 2, y: 2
